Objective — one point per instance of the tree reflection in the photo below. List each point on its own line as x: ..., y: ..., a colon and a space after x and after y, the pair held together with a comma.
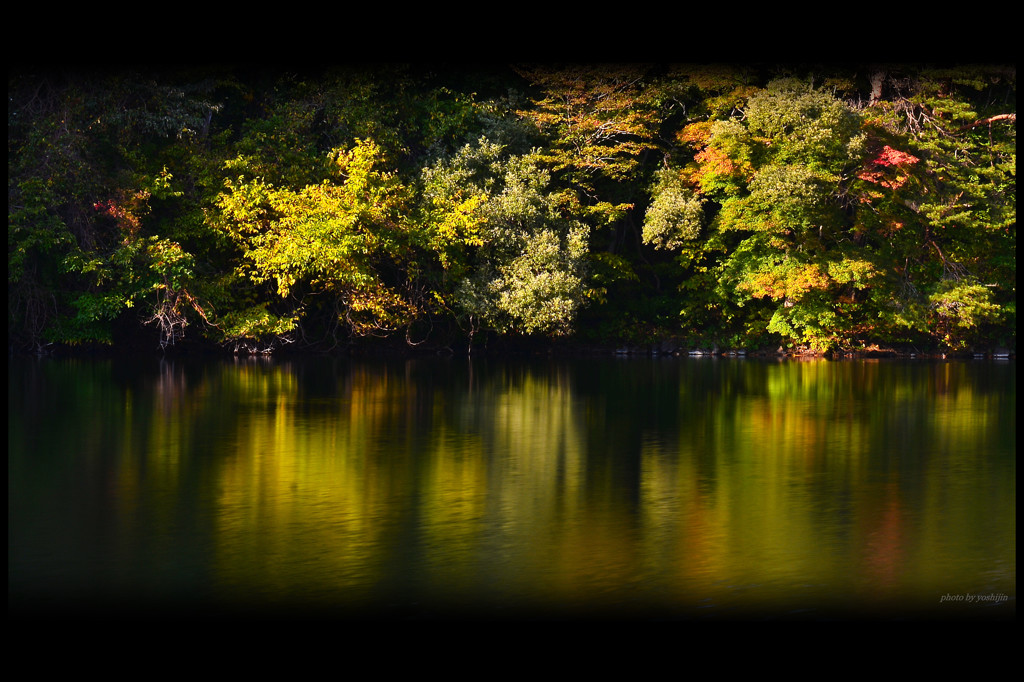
x: 579, y: 483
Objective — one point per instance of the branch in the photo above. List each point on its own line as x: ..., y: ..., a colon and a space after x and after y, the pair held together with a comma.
x: 990, y: 120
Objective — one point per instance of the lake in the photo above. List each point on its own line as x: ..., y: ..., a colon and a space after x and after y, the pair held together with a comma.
x: 455, y: 487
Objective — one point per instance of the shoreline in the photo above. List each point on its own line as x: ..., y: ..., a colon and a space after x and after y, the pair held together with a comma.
x: 521, y: 348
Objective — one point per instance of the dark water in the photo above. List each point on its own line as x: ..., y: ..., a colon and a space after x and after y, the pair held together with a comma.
x: 648, y: 488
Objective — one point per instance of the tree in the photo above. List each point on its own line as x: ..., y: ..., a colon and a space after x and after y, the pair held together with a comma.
x: 84, y: 171
x: 624, y: 202
x: 345, y: 243
x: 940, y: 192
x: 779, y: 177
x: 517, y: 262
x: 599, y: 121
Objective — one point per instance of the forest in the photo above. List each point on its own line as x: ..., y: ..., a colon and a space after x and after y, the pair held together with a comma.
x: 827, y: 210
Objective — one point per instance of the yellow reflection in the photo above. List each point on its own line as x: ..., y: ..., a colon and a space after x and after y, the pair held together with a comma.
x: 782, y: 478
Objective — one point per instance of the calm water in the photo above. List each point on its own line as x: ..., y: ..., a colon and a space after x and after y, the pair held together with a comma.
x: 655, y: 488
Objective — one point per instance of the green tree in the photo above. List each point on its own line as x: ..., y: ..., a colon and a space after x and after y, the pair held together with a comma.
x: 517, y: 262
x: 940, y: 186
x: 778, y: 180
x: 84, y: 172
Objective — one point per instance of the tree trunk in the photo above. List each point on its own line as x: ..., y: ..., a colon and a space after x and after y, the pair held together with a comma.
x: 877, y: 80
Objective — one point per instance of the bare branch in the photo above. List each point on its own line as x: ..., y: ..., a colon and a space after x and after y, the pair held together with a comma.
x: 990, y: 120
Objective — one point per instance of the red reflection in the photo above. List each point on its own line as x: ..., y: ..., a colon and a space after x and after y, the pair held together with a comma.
x: 884, y: 552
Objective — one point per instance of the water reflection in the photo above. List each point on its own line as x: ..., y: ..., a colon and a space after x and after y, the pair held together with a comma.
x: 680, y: 488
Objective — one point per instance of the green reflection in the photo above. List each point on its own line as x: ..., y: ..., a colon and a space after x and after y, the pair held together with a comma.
x: 686, y: 487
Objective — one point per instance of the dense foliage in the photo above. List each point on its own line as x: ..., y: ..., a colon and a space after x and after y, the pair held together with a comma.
x: 726, y: 206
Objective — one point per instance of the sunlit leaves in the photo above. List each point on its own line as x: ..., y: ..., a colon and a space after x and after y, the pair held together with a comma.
x: 540, y: 290
x: 789, y: 197
x: 889, y: 168
x: 788, y: 280
x: 256, y: 323
x: 675, y: 215
x: 825, y: 209
x: 521, y: 263
x: 601, y: 118
x: 805, y: 125
x: 781, y: 175
x: 725, y: 157
x: 456, y: 227
x: 940, y: 188
x: 338, y: 239
x: 599, y: 122
x: 172, y: 264
x: 959, y: 308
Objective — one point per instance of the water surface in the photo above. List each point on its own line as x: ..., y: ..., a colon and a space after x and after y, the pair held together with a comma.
x: 655, y: 488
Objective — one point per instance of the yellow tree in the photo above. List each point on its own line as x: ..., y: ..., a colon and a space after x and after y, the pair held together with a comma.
x: 346, y: 244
